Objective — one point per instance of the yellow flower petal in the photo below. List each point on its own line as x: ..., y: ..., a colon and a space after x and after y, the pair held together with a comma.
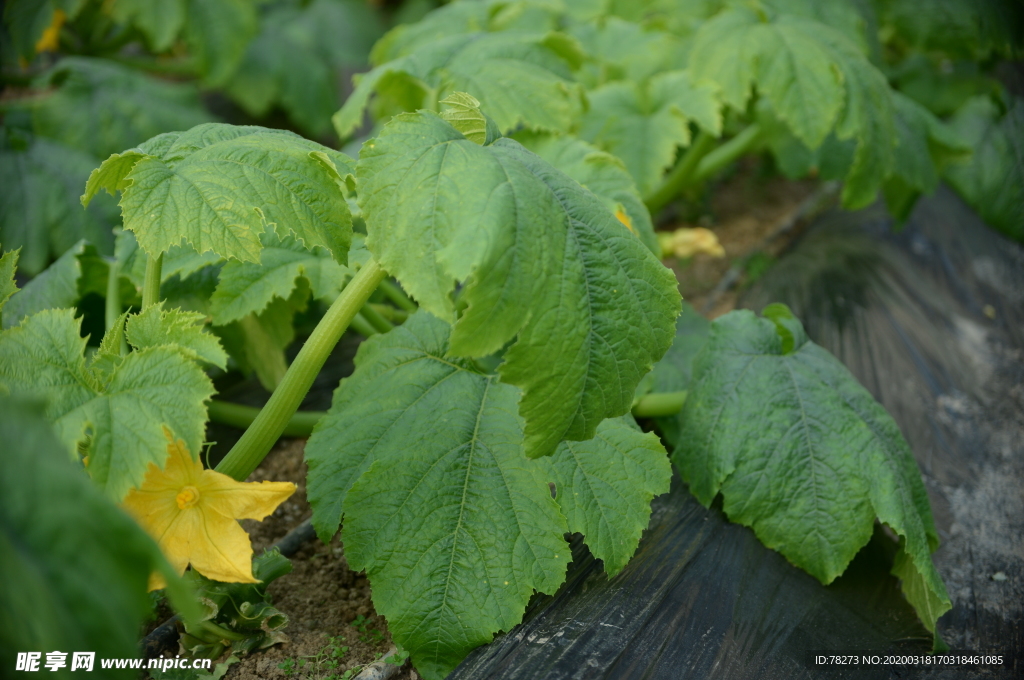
x: 49, y: 41
x: 621, y: 215
x: 192, y: 513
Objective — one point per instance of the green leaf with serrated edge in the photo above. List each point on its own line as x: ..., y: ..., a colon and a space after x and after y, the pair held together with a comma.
x: 621, y: 50
x: 219, y: 187
x: 101, y: 107
x: 159, y: 327
x: 76, y: 567
x: 8, y: 263
x: 217, y: 33
x: 108, y: 355
x: 605, y: 485
x: 519, y: 79
x: 120, y: 416
x: 992, y: 182
x: 644, y: 123
x: 247, y: 288
x: 40, y: 181
x: 462, y: 112
x: 539, y: 256
x: 800, y: 452
x: 57, y: 286
x: 426, y: 454
x: 600, y: 172
x: 160, y: 22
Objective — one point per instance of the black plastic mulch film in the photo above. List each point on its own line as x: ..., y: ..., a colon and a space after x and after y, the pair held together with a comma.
x: 930, y: 318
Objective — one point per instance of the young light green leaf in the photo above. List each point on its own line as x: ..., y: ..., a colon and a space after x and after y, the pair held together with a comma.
x: 520, y: 79
x: 993, y: 181
x: 453, y: 525
x: 601, y: 173
x: 219, y: 187
x: 8, y: 263
x: 101, y: 107
x: 605, y: 485
x: 117, y: 418
x: 539, y: 256
x: 644, y: 123
x: 159, y: 327
x: 217, y: 32
x: 40, y: 181
x: 246, y: 288
x: 462, y: 111
x: 58, y: 286
x: 800, y: 452
x: 76, y: 568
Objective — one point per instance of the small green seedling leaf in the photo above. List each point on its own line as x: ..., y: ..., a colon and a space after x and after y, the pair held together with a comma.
x: 605, y: 485
x: 539, y: 256
x: 159, y: 327
x: 453, y: 525
x: 220, y: 187
x: 803, y: 454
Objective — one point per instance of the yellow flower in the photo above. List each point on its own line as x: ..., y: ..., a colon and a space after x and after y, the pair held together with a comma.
x: 621, y: 215
x: 49, y: 41
x: 192, y: 513
x: 687, y: 242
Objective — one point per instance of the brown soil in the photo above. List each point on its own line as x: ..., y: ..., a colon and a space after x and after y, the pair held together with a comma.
x: 744, y: 209
x: 321, y: 596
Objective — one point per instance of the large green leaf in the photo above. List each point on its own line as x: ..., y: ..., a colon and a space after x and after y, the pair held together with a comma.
x: 801, y: 453
x: 993, y: 180
x: 40, y: 182
x: 219, y: 187
x: 160, y: 22
x: 644, y: 123
x: 605, y: 485
x: 521, y: 79
x: 117, y: 419
x: 101, y: 107
x: 60, y: 285
x: 621, y: 50
x: 27, y: 19
x: 217, y: 32
x: 601, y: 173
x: 246, y: 288
x: 961, y: 28
x: 538, y: 255
x: 76, y: 568
x: 453, y: 525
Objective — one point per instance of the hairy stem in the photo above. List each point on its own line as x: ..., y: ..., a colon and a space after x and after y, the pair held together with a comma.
x: 151, y: 284
x: 237, y: 415
x: 680, y: 175
x: 725, y: 154
x: 659, y: 404
x: 257, y: 441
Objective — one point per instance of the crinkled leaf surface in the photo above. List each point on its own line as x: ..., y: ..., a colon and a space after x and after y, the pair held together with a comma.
x: 605, y: 485
x: 622, y: 50
x: 801, y: 453
x: 219, y: 187
x: 644, y: 123
x: 40, y: 182
x: 993, y: 180
x: 75, y: 567
x: 183, y: 330
x: 247, y: 287
x: 217, y: 33
x: 816, y: 79
x: 521, y: 79
x: 598, y: 171
x: 101, y: 107
x: 539, y: 256
x: 453, y: 525
x: 116, y: 418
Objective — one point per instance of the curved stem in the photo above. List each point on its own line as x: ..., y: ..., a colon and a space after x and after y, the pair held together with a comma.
x: 398, y: 296
x: 360, y: 325
x: 659, y: 404
x: 151, y: 284
x: 376, y: 319
x: 238, y: 415
x: 257, y: 441
x: 680, y: 175
x: 738, y: 146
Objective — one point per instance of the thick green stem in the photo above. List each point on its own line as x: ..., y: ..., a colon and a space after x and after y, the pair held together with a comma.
x: 659, y: 404
x: 237, y: 415
x: 257, y: 441
x: 381, y: 324
x: 151, y: 284
x: 219, y: 632
x: 680, y: 175
x: 729, y: 152
x: 398, y: 296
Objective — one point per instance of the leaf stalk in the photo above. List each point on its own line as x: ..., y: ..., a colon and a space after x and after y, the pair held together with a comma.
x: 659, y: 404
x: 151, y: 283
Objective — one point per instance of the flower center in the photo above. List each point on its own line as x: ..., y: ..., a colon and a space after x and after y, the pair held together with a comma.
x: 187, y: 497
